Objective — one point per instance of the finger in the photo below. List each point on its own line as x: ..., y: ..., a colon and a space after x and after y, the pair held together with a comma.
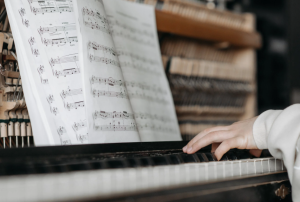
x: 255, y: 152
x: 214, y: 146
x: 202, y: 134
x: 213, y: 137
x: 227, y: 145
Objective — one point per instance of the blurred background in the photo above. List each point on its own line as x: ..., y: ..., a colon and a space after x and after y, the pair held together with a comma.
x: 258, y: 38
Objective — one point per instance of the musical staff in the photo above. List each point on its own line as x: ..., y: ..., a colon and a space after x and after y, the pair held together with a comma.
x: 132, y: 38
x: 66, y: 72
x: 36, y: 11
x: 95, y: 46
x: 112, y: 115
x: 103, y: 60
x: 50, y: 99
x: 126, y: 115
x: 54, y: 110
x: 137, y: 57
x: 61, y: 130
x: 113, y: 127
x: 70, y: 92
x: 60, y: 41
x: 140, y: 67
x: 154, y: 128
x: 100, y: 93
x: 77, y: 126
x: 22, y: 13
x: 131, y: 29
x: 74, y: 105
x: 65, y: 59
x: 96, y: 14
x: 95, y: 26
x: 136, y: 95
x: 114, y: 82
x: 41, y: 70
x: 43, y: 30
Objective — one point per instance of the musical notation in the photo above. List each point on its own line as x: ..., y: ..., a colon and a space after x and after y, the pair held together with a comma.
x: 22, y: 13
x: 70, y: 92
x: 34, y: 50
x: 77, y: 126
x: 96, y: 14
x: 113, y: 115
x: 41, y: 70
x: 126, y: 115
x: 66, y: 72
x: 65, y: 59
x: 95, y: 46
x: 114, y: 82
x: 36, y: 11
x: 131, y: 29
x: 60, y: 41
x: 74, y: 105
x: 50, y: 99
x: 94, y: 25
x: 99, y: 93
x: 107, y: 81
x: 54, y: 110
x: 44, y: 81
x: 140, y: 67
x: 137, y: 57
x: 104, y: 60
x: 54, y: 29
x: 113, y: 127
x: 132, y: 38
x: 65, y: 142
x: 136, y: 95
x: 61, y: 130
x: 154, y: 128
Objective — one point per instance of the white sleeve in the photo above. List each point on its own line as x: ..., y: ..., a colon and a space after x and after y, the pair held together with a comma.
x: 279, y: 130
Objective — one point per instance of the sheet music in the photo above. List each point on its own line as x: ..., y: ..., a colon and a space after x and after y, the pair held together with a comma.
x: 104, y: 88
x: 134, y: 53
x: 55, y: 34
x: 49, y: 39
x: 133, y: 29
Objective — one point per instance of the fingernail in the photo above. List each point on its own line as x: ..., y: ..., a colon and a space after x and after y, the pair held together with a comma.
x: 184, y: 148
x: 189, y: 149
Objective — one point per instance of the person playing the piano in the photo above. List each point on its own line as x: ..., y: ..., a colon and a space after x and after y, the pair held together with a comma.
x: 276, y: 130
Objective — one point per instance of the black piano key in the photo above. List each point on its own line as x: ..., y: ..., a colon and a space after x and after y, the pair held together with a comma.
x: 174, y: 159
x: 202, y: 157
x: 98, y: 165
x: 146, y: 162
x: 244, y: 154
x: 211, y: 157
x: 115, y: 164
x: 80, y: 166
x: 159, y: 160
x: 133, y: 163
x: 224, y: 158
x: 188, y: 158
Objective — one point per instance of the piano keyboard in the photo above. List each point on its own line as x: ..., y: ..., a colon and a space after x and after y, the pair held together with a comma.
x: 111, y: 182
x: 104, y: 171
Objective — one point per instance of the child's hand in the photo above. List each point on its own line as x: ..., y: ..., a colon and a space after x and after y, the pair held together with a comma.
x: 238, y: 135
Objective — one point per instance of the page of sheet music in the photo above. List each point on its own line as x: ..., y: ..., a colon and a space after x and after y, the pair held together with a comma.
x: 21, y: 27
x: 55, y: 35
x: 134, y: 33
x: 109, y: 113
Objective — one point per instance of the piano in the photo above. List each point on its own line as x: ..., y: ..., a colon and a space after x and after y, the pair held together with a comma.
x: 152, y: 171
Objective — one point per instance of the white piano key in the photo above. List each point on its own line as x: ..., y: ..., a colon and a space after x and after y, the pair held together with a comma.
x: 258, y: 166
x: 272, y: 164
x: 265, y: 165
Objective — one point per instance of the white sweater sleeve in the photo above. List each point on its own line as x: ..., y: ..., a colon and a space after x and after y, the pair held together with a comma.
x: 279, y: 131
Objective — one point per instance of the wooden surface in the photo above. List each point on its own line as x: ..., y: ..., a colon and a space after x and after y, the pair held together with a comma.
x: 176, y: 24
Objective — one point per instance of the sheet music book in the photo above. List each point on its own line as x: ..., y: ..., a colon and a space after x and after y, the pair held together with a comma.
x: 93, y: 71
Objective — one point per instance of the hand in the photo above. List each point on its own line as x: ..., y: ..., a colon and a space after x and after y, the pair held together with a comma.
x: 238, y: 135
